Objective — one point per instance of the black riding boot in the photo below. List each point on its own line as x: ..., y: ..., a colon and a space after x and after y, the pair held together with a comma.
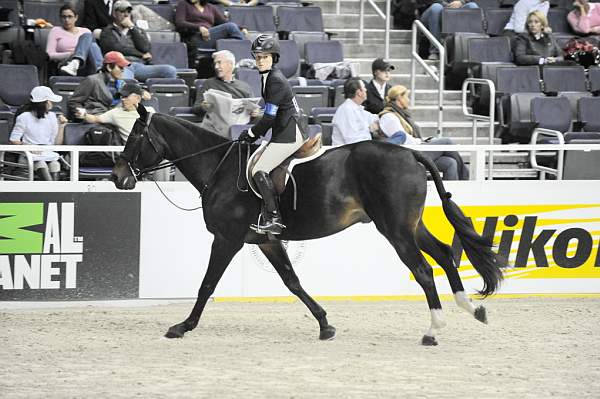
x: 270, y: 222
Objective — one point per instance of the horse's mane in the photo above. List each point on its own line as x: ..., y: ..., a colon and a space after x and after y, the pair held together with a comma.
x: 193, y: 128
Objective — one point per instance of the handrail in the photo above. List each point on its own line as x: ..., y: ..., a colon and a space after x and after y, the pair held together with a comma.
x: 361, y: 23
x: 476, y: 117
x: 479, y: 149
x: 559, y: 159
x: 438, y: 75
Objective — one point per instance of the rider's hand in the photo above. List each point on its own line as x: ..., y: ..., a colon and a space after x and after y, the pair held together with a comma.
x: 247, y: 136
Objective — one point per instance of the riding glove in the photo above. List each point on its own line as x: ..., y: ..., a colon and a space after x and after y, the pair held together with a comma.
x: 247, y: 136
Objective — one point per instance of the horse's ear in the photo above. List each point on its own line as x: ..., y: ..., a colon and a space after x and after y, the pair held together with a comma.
x: 142, y: 113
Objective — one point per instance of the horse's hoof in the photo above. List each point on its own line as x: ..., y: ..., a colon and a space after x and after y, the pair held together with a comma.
x: 428, y: 341
x: 176, y: 331
x: 327, y: 333
x: 481, y: 315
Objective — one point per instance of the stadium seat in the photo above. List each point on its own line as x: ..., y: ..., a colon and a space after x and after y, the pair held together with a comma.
x: 64, y: 86
x: 241, y: 49
x: 50, y: 11
x: 460, y: 20
x: 305, y: 19
x: 581, y: 165
x: 167, y: 11
x: 163, y: 36
x: 74, y: 134
x: 185, y: 113
x: 557, y: 20
x: 564, y: 78
x: 255, y: 19
x: 301, y: 38
x: 496, y: 20
x: 169, y: 92
x: 552, y: 113
x: 16, y: 83
x: 289, y: 62
x: 588, y: 113
x: 329, y: 51
x: 13, y: 15
x: 309, y: 97
x: 252, y: 77
x: 175, y: 54
x: 594, y: 78
x: 10, y: 167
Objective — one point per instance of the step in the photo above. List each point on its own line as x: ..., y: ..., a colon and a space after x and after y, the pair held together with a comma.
x: 423, y: 82
x: 401, y: 65
x: 370, y: 20
x: 347, y: 6
x: 353, y: 50
x: 429, y: 112
x: 430, y: 97
x: 370, y: 35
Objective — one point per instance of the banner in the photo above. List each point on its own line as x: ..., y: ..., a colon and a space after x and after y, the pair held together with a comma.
x: 69, y: 246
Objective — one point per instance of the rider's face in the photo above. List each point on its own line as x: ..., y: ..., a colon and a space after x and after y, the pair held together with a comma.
x: 264, y: 61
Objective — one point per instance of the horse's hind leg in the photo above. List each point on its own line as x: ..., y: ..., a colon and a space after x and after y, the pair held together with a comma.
x: 277, y: 255
x: 221, y: 253
x: 442, y: 254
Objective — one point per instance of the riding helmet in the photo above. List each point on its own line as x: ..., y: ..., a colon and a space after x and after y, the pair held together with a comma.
x: 266, y: 43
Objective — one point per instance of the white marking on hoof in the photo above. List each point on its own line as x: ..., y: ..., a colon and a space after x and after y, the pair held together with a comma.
x: 437, y: 322
x: 463, y: 301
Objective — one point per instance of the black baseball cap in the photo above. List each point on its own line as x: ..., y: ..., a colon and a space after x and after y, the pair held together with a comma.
x: 381, y: 65
x: 131, y: 88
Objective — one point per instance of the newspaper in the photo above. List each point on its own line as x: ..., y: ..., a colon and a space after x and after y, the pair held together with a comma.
x: 226, y: 111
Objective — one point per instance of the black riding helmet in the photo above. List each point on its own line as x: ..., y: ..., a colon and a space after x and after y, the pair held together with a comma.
x: 266, y: 44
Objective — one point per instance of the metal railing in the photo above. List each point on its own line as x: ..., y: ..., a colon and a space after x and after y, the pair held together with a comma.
x: 475, y: 117
x: 361, y: 23
x: 438, y: 75
x: 479, y: 150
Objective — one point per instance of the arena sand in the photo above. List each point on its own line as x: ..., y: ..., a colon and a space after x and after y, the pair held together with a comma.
x: 532, y: 348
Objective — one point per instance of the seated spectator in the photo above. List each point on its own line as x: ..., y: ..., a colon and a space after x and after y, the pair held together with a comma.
x: 351, y: 122
x: 98, y: 93
x: 124, y: 115
x: 229, y: 3
x: 201, y: 24
x: 535, y: 47
x: 518, y: 19
x: 36, y: 124
x: 398, y: 127
x: 123, y: 36
x: 97, y: 14
x: 585, y: 17
x: 378, y: 87
x: 73, y: 47
x: 224, y: 64
x: 432, y: 19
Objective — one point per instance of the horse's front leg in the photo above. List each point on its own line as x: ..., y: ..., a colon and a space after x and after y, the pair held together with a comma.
x: 277, y: 255
x: 221, y: 253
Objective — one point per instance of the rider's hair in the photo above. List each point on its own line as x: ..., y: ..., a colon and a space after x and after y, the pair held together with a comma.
x: 351, y: 86
x: 228, y: 55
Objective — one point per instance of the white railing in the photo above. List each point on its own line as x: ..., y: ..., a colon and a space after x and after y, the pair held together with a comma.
x: 438, y: 75
x: 478, y: 153
x: 361, y: 23
x: 475, y: 117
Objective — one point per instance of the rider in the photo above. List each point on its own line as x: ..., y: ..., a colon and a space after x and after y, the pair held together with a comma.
x: 282, y: 116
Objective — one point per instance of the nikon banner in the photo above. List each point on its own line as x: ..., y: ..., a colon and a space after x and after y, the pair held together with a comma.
x: 69, y: 246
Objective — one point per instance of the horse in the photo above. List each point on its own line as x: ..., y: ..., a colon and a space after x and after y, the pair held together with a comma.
x: 356, y: 183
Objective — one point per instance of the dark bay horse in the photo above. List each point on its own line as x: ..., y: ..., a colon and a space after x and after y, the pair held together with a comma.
x: 362, y: 182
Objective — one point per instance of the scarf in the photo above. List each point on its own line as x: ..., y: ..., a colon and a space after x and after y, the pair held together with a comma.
x: 405, y: 119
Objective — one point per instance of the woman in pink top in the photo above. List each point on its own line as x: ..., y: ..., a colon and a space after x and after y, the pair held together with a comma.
x: 201, y: 24
x: 73, y: 47
x: 585, y: 17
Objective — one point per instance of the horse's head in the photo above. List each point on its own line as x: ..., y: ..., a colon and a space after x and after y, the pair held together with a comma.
x: 141, y: 151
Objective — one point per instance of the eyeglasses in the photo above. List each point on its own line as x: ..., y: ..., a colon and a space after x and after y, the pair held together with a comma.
x: 67, y: 16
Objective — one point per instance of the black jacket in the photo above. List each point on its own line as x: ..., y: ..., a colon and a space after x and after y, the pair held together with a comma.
x: 133, y: 45
x: 374, y: 103
x: 529, y: 50
x: 281, y: 110
x: 95, y: 14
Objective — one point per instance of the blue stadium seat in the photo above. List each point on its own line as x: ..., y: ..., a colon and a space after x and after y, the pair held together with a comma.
x: 289, y: 62
x: 257, y: 19
x: 16, y: 83
x: 241, y: 49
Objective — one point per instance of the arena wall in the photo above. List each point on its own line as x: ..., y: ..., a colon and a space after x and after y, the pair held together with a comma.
x: 88, y: 240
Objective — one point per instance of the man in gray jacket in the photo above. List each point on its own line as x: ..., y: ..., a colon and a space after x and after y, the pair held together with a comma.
x: 123, y: 36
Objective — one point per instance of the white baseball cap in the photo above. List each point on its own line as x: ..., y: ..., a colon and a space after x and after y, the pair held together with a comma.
x: 40, y: 94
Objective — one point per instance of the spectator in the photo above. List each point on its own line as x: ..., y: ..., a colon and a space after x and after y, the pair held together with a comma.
x: 224, y: 63
x: 38, y: 125
x: 123, y: 36
x: 534, y: 47
x: 97, y: 14
x: 432, y: 19
x: 585, y: 17
x: 351, y: 123
x: 72, y: 46
x: 98, y: 93
x: 201, y: 24
x: 124, y: 115
x: 229, y: 3
x: 518, y: 18
x: 378, y: 87
x: 398, y: 127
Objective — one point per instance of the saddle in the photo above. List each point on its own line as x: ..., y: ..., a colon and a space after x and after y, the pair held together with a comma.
x: 308, y: 152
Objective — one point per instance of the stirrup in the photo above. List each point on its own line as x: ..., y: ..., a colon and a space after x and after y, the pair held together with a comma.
x: 272, y: 228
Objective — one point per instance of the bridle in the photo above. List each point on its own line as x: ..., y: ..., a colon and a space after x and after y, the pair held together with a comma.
x: 137, y: 173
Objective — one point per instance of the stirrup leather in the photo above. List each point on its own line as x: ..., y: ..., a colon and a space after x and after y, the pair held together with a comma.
x: 267, y: 226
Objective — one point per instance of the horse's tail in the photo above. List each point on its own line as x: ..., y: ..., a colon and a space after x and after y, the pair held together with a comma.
x: 478, y: 249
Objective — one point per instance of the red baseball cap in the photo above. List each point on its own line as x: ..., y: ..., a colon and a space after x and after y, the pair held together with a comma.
x: 115, y: 57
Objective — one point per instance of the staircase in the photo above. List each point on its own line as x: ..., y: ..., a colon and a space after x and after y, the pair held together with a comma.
x: 455, y: 124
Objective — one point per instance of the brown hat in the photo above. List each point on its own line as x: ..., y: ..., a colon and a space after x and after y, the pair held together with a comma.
x: 381, y: 65
x: 115, y: 57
